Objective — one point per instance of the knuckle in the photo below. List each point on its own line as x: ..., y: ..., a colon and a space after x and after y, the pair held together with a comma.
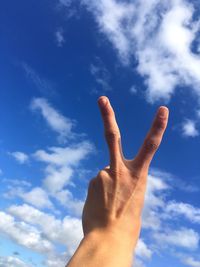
x: 101, y: 174
x: 111, y: 135
x: 92, y: 182
x: 160, y: 124
x: 108, y: 112
x: 117, y: 172
x: 151, y: 145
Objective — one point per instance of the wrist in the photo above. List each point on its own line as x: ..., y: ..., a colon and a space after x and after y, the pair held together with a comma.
x: 104, y: 244
x: 122, y: 234
x: 125, y: 241
x: 108, y: 247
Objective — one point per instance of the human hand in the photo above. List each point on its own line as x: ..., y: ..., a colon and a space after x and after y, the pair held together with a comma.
x: 116, y: 195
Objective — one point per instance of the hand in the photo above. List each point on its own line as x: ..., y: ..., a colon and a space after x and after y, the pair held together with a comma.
x: 116, y: 195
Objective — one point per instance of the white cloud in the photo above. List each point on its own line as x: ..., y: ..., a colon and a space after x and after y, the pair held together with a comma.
x: 142, y: 250
x: 191, y: 262
x: 21, y: 157
x: 57, y: 122
x: 159, y: 34
x: 184, y: 238
x: 60, y: 165
x: 56, y: 259
x: 67, y: 231
x: 37, y: 197
x: 38, y: 231
x: 159, y: 213
x: 24, y: 234
x: 43, y: 85
x: 111, y: 16
x: 198, y: 113
x: 138, y: 263
x: 42, y: 232
x: 154, y: 202
x: 189, y: 128
x: 59, y: 35
x: 65, y: 156
x: 101, y: 75
x: 11, y: 261
x: 66, y: 3
x: 175, y: 181
x: 183, y: 210
x: 57, y: 178
x: 16, y: 182
x: 66, y: 198
x: 71, y: 8
x: 133, y: 90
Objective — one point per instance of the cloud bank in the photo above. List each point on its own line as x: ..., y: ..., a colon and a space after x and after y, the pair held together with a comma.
x: 161, y: 35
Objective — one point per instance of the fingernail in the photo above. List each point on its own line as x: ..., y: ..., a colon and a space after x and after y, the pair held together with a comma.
x: 102, y: 100
x: 163, y: 112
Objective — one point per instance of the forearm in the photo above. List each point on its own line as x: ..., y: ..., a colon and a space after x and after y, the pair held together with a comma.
x: 103, y: 250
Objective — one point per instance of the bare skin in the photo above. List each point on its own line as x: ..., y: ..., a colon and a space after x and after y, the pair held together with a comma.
x: 111, y: 216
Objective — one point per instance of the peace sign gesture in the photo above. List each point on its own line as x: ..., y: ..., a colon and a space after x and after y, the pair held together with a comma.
x: 116, y: 195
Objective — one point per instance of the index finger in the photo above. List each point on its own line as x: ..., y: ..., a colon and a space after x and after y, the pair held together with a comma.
x: 153, y: 138
x: 111, y: 129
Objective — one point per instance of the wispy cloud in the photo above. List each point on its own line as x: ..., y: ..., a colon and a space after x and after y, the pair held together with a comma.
x: 154, y: 202
x: 189, y: 128
x: 20, y: 157
x: 56, y: 121
x: 138, y: 263
x: 184, y: 237
x: 60, y: 168
x: 16, y: 182
x: 142, y: 250
x: 191, y: 262
x: 159, y: 214
x: 12, y: 261
x: 184, y: 210
x: 133, y: 90
x: 65, y: 156
x: 43, y: 85
x: 37, y: 197
x: 112, y: 16
x: 101, y: 76
x: 66, y: 3
x: 59, y: 35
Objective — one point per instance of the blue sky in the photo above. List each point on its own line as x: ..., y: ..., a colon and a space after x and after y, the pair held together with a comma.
x: 57, y: 58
